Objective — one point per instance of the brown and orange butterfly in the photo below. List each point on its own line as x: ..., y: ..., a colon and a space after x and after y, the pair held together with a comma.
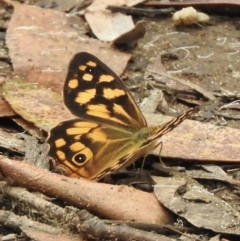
x: 110, y: 132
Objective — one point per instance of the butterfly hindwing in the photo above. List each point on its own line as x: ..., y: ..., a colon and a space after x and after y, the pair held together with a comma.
x: 91, y: 150
x: 93, y: 91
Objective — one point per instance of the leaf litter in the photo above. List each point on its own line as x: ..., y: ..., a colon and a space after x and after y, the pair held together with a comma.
x: 52, y: 39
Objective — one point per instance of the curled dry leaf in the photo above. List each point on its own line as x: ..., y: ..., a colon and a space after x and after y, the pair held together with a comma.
x: 108, y: 26
x: 189, y: 16
x: 132, y: 35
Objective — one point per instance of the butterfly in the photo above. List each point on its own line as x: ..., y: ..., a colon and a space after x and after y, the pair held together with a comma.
x: 109, y: 131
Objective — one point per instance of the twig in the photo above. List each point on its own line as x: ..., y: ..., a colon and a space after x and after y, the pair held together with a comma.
x: 102, y: 231
x: 70, y: 217
x: 230, y: 105
x: 9, y: 219
x: 235, y: 117
x: 141, y: 11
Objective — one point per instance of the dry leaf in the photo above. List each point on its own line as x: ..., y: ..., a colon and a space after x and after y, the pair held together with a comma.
x: 132, y: 35
x: 52, y: 39
x: 35, y: 104
x: 196, y: 141
x: 108, y: 26
x: 198, y: 206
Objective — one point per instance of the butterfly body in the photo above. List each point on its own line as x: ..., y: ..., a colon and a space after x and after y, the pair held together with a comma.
x: 110, y: 131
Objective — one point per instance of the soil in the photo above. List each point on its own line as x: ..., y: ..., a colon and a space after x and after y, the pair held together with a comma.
x: 207, y: 55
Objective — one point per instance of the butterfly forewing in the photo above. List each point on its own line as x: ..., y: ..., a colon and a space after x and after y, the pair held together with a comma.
x: 92, y: 91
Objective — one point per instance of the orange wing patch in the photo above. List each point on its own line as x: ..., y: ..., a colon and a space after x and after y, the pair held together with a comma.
x: 60, y: 142
x: 112, y: 93
x: 106, y: 78
x: 91, y: 64
x: 87, y: 77
x: 73, y: 83
x: 82, y: 67
x: 86, y: 96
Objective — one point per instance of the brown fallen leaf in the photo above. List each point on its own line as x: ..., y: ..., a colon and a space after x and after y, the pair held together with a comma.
x: 36, y: 104
x: 70, y: 219
x: 196, y: 141
x: 5, y: 108
x: 190, y: 200
x: 110, y: 201
x: 52, y: 38
x: 29, y: 127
